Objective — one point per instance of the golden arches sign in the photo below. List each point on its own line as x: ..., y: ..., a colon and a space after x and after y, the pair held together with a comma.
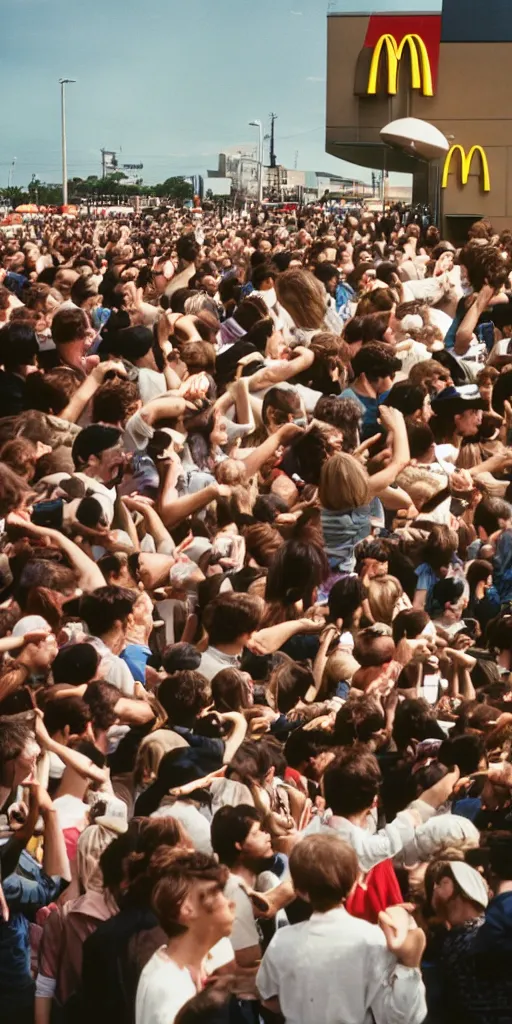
x: 421, y: 73
x: 466, y: 159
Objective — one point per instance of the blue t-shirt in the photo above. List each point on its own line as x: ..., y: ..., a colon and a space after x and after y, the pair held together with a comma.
x: 24, y: 896
x: 427, y: 580
x: 344, y: 295
x: 370, y: 410
x: 136, y: 657
x: 502, y: 575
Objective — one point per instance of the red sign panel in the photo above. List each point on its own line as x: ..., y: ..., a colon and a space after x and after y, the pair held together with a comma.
x: 427, y: 26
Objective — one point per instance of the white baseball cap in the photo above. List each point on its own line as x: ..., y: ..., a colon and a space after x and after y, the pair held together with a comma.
x: 31, y: 624
x: 114, y: 817
x: 470, y: 881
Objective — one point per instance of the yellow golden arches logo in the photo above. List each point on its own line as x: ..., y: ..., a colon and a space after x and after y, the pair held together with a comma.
x: 421, y: 73
x: 466, y: 159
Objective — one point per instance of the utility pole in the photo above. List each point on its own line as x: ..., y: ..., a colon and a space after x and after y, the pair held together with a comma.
x: 34, y: 188
x: 63, y: 82
x: 257, y: 124
x: 296, y: 161
x: 273, y: 119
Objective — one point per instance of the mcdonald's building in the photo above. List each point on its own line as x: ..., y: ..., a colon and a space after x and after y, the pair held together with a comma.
x: 443, y: 61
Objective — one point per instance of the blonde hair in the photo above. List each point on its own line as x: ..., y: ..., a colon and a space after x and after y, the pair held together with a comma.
x: 383, y: 593
x: 151, y: 752
x: 343, y: 483
x: 91, y: 844
x: 425, y: 371
x: 303, y: 297
x: 420, y: 485
x: 340, y: 665
x: 231, y: 471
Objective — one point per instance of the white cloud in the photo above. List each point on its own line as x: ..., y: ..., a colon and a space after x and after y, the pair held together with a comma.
x: 315, y: 78
x: 298, y: 14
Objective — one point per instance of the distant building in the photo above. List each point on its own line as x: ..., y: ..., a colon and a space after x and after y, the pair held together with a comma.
x: 281, y: 183
x: 241, y: 165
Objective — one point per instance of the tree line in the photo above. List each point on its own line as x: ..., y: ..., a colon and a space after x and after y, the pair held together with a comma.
x: 92, y: 188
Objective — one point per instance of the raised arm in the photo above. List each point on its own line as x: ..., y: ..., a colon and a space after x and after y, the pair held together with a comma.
x: 237, y: 394
x: 174, y: 512
x: 260, y: 455
x: 55, y: 858
x: 165, y: 407
x: 89, y: 576
x: 163, y: 330
x: 72, y: 758
x: 236, y: 736
x: 271, y: 638
x: 153, y: 522
x: 394, y: 422
x: 466, y: 328
x: 302, y: 360
x: 326, y: 639
x: 81, y: 398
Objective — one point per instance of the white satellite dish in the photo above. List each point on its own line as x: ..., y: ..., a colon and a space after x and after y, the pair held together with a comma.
x: 419, y: 138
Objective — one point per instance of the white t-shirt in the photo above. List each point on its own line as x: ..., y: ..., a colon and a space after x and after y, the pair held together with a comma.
x: 245, y: 933
x: 451, y: 629
x: 151, y: 384
x: 213, y: 661
x: 440, y: 319
x: 164, y: 987
x: 336, y: 968
x: 162, y: 990
x: 417, y: 353
x: 113, y: 669
x: 447, y: 453
x: 370, y: 848
x: 71, y: 811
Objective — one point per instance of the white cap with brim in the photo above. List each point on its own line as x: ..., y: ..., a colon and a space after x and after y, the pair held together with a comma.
x: 31, y: 624
x: 115, y: 816
x: 437, y: 833
x: 471, y: 883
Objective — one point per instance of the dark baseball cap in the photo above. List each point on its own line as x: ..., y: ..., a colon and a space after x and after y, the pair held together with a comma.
x: 181, y: 657
x: 452, y: 401
x: 132, y: 343
x: 93, y: 440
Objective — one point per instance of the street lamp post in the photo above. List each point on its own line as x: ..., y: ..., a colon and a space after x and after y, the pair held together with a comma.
x: 63, y: 82
x: 257, y: 124
x: 11, y: 173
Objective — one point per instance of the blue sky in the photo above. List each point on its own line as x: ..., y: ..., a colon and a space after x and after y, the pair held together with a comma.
x: 172, y: 82
x: 385, y: 6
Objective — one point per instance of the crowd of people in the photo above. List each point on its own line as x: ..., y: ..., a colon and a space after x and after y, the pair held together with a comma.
x: 255, y: 622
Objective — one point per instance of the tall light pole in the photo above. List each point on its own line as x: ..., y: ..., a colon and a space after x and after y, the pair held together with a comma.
x: 11, y: 173
x: 63, y: 82
x: 257, y: 124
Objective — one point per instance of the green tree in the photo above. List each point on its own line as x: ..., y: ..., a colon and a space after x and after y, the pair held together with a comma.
x: 44, y: 194
x: 15, y: 195
x: 175, y: 188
